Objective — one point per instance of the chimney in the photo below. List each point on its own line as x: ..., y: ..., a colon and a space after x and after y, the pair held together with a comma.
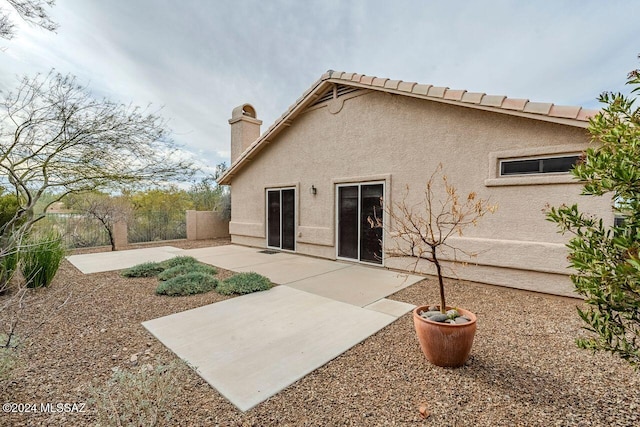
x: 245, y: 129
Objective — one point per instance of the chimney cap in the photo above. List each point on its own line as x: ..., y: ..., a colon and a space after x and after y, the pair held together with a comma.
x: 244, y: 110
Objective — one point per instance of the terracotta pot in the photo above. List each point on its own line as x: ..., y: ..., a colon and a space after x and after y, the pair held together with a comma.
x: 445, y: 344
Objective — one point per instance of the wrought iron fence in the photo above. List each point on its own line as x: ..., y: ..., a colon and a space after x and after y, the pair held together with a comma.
x: 77, y: 230
x: 157, y: 226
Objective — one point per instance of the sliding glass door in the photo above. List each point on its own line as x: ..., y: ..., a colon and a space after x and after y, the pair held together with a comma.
x: 281, y: 218
x: 360, y: 222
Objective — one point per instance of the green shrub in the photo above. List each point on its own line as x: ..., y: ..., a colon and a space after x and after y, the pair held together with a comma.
x: 188, y: 284
x: 244, y: 283
x: 8, y: 264
x: 142, y: 397
x: 179, y: 270
x: 146, y: 269
x: 179, y: 260
x: 8, y: 362
x: 40, y: 258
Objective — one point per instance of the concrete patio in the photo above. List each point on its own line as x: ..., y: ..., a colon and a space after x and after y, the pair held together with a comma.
x: 251, y: 347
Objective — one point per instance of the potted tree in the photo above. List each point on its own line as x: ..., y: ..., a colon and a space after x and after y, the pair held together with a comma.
x: 420, y: 232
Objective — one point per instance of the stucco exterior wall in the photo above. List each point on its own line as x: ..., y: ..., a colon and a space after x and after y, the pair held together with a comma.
x: 401, y: 140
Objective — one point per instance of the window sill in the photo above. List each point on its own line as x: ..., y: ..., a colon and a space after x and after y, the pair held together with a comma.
x: 531, y: 180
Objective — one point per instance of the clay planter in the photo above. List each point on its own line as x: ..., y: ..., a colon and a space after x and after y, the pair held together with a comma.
x: 445, y: 344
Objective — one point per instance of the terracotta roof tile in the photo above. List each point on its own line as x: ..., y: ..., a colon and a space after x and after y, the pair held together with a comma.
x: 586, y: 114
x: 514, y: 104
x: 392, y: 84
x: 472, y: 97
x: 356, y: 77
x: 454, y: 95
x: 538, y: 107
x: 492, y: 100
x: 367, y: 80
x: 347, y: 76
x: 406, y: 86
x: 565, y: 111
x: 378, y: 82
x: 421, y: 89
x: 326, y: 75
x: 437, y: 91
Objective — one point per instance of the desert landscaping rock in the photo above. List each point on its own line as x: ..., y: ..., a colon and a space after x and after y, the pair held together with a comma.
x: 518, y: 373
x: 439, y: 317
x: 460, y: 320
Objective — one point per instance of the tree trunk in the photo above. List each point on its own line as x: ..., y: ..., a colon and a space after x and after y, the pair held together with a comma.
x: 443, y: 305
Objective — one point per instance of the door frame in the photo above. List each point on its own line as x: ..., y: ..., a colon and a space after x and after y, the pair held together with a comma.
x: 266, y: 216
x: 359, y: 184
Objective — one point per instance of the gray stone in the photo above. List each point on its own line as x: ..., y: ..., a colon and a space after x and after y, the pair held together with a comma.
x: 434, y: 308
x: 461, y: 320
x: 466, y: 318
x: 439, y: 317
x: 431, y: 313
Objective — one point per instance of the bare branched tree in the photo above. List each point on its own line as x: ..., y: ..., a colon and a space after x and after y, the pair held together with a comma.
x: 108, y: 210
x: 421, y: 230
x: 31, y: 11
x: 55, y: 136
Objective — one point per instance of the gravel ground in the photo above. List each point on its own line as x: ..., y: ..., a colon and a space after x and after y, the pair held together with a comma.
x: 525, y: 369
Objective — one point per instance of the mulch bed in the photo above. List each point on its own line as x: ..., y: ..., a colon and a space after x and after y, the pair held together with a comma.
x: 525, y: 368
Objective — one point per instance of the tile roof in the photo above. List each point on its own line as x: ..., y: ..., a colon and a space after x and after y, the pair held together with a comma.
x: 568, y: 115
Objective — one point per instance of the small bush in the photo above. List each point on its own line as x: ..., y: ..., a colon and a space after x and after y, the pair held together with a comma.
x: 8, y: 362
x: 8, y: 265
x: 244, y: 283
x: 179, y: 270
x: 179, y: 260
x: 40, y: 258
x: 141, y: 398
x: 146, y: 269
x: 188, y: 284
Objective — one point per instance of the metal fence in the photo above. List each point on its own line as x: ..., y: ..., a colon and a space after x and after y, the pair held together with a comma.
x: 77, y: 230
x: 157, y: 226
x: 82, y: 231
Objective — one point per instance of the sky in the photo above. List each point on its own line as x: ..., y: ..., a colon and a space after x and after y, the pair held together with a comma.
x: 199, y: 59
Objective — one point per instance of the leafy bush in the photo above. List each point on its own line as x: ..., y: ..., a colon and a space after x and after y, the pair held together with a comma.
x: 40, y: 258
x: 179, y: 260
x: 606, y: 256
x: 244, y: 283
x: 140, y: 398
x: 186, y: 268
x: 146, y: 269
x: 188, y: 284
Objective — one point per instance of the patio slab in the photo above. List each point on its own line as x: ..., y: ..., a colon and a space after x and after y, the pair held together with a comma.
x: 251, y: 347
x: 292, y: 269
x: 357, y: 285
x: 118, y: 260
x: 233, y: 257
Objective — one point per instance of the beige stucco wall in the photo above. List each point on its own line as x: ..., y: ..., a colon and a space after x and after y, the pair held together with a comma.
x: 401, y: 140
x: 206, y: 225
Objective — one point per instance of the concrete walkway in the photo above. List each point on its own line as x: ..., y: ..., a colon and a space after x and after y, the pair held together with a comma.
x: 251, y: 347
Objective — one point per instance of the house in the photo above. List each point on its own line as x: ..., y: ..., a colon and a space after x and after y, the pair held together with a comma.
x: 309, y: 182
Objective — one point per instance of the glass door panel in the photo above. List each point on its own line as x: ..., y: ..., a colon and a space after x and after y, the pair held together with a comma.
x: 288, y: 219
x: 348, y: 222
x: 273, y: 218
x: 371, y: 223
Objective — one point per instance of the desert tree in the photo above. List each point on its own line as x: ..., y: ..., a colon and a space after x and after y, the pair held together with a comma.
x: 31, y: 11
x: 56, y: 137
x: 606, y: 257
x: 108, y: 210
x: 420, y: 230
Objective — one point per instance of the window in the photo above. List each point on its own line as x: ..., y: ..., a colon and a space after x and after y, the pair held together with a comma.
x: 538, y: 165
